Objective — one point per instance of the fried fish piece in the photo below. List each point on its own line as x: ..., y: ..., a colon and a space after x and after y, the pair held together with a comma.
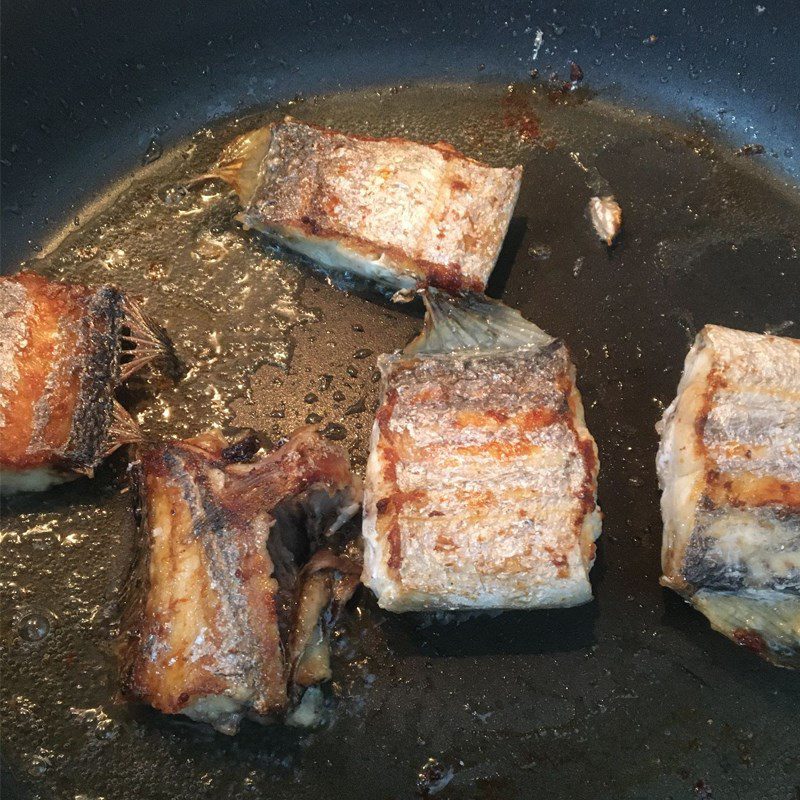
x: 64, y: 348
x: 398, y: 212
x: 729, y: 470
x: 240, y: 576
x: 482, y: 477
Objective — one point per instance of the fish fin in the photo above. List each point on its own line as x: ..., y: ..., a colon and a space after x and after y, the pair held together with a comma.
x: 239, y: 163
x: 123, y: 430
x: 148, y: 342
x: 472, y: 322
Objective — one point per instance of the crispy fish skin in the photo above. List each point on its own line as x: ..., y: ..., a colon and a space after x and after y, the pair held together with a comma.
x: 481, y: 482
x: 60, y: 362
x: 223, y: 616
x: 729, y: 469
x: 401, y: 213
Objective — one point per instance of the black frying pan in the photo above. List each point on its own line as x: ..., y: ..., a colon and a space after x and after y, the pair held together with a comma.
x: 630, y: 697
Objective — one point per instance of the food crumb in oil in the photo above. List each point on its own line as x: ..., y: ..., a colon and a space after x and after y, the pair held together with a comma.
x: 606, y: 216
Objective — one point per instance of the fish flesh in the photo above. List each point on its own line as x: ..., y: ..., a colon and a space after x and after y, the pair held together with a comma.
x: 64, y: 348
x: 482, y: 476
x: 401, y: 213
x: 240, y: 578
x: 729, y: 470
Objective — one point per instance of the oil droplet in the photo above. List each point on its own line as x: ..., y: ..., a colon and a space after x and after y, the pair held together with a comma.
x: 325, y: 381
x: 363, y: 352
x: 34, y: 627
x: 209, y: 247
x: 433, y: 777
x: 334, y: 431
x: 313, y: 419
x: 174, y: 195
x: 541, y: 252
x: 338, y: 396
x: 154, y: 151
x: 352, y: 372
x: 357, y: 407
x: 310, y: 398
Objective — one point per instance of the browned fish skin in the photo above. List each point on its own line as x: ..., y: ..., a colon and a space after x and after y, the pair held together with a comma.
x: 729, y: 468
x: 482, y: 477
x: 403, y: 213
x: 224, y: 613
x: 60, y: 362
x: 61, y: 359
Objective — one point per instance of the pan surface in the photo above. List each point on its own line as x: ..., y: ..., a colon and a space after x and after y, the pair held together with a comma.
x: 631, y: 696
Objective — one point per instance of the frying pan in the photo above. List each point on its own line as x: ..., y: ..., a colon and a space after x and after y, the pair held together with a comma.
x: 631, y: 696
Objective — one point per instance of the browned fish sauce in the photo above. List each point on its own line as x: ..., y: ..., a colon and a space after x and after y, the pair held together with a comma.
x: 507, y: 702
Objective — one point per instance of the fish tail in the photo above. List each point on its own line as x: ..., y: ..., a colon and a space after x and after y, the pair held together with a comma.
x: 123, y: 430
x: 472, y: 322
x: 149, y: 342
x: 239, y: 163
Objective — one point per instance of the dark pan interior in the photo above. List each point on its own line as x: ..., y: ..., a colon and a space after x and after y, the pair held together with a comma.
x: 631, y: 696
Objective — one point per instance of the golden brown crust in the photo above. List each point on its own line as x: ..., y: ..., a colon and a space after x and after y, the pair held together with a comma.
x: 729, y: 467
x: 171, y: 682
x: 396, y: 211
x: 318, y: 227
x: 216, y: 615
x: 64, y: 349
x: 69, y: 330
x: 481, y: 484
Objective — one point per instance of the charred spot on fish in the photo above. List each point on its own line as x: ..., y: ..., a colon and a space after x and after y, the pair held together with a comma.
x: 395, y: 546
x: 750, y: 639
x: 94, y: 407
x: 702, y: 566
x: 313, y: 226
x: 382, y: 505
x: 243, y: 449
x: 706, y: 502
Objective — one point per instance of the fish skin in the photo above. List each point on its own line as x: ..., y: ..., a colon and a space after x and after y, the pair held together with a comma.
x: 60, y: 365
x: 481, y: 482
x: 214, y: 605
x: 402, y: 213
x: 729, y: 469
x: 61, y: 360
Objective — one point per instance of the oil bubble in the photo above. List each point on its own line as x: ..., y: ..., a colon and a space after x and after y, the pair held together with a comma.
x: 34, y: 626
